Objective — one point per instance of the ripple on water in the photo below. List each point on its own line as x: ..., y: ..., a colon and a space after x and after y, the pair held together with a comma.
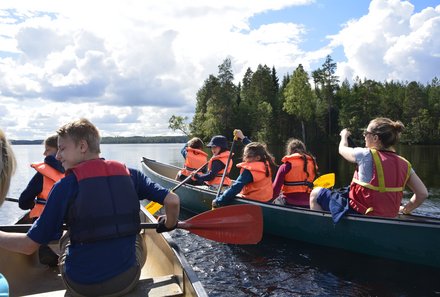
x: 279, y: 267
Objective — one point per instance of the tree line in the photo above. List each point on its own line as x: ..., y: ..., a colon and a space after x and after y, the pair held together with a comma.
x: 310, y: 107
x: 122, y: 140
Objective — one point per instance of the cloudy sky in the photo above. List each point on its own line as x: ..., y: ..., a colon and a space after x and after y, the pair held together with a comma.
x: 129, y: 65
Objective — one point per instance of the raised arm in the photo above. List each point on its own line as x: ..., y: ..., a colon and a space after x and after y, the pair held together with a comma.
x: 344, y: 150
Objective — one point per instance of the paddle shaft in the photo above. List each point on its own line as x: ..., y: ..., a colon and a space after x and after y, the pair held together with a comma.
x: 22, y: 228
x: 189, y: 177
x: 11, y: 199
x: 235, y: 224
x: 226, y: 167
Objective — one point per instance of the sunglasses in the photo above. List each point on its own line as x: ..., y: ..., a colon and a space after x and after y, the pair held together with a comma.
x: 365, y: 133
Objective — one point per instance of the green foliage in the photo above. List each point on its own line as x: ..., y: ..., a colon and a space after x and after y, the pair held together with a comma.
x: 271, y: 112
x: 179, y: 123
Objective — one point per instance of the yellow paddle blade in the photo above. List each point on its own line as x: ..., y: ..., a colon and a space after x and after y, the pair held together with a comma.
x: 325, y: 181
x: 153, y: 207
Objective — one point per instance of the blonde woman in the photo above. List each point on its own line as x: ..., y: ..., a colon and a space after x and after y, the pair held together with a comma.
x: 7, y: 166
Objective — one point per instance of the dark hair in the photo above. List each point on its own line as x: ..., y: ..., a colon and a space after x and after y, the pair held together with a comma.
x: 387, y: 130
x: 196, y: 143
x: 51, y: 141
x: 255, y: 149
x: 297, y: 146
x: 82, y: 129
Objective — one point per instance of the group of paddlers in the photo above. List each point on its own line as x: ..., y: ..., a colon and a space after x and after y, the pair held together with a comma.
x: 376, y: 189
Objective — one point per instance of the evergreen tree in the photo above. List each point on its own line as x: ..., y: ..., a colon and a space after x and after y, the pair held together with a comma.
x: 299, y: 98
x: 326, y: 84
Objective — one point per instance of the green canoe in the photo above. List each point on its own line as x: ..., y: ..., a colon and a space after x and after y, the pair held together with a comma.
x: 409, y: 238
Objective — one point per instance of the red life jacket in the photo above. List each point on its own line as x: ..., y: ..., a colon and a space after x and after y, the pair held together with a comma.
x: 261, y: 187
x: 383, y: 194
x: 106, y: 205
x: 50, y: 177
x: 194, y: 160
x: 223, y: 157
x: 296, y: 180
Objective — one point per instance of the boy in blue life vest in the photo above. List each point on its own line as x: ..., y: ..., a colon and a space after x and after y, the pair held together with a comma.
x: 100, y: 194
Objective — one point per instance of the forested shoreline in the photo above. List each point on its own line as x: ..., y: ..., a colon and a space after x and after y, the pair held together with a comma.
x: 121, y: 140
x: 272, y: 112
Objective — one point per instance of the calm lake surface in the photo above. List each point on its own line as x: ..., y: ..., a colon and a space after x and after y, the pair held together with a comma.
x: 276, y: 266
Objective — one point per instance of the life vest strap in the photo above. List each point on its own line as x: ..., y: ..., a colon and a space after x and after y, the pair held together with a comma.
x: 378, y: 188
x: 299, y: 183
x: 190, y: 168
x: 40, y: 201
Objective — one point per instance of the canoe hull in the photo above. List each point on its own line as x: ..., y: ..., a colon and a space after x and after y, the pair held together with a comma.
x: 165, y: 273
x: 410, y: 238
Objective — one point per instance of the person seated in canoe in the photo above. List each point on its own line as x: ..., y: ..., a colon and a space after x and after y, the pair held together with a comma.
x: 48, y: 173
x: 7, y: 169
x: 294, y: 180
x: 379, y: 179
x: 7, y: 166
x: 195, y: 158
x: 102, y: 252
x: 255, y: 179
x: 35, y: 195
x: 217, y: 164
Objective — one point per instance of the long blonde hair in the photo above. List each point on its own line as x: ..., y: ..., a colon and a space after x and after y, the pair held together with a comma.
x: 7, y: 166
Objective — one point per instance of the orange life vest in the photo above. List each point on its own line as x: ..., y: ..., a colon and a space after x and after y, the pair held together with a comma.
x: 223, y: 157
x: 261, y: 187
x: 50, y: 177
x: 383, y: 194
x: 296, y: 180
x: 194, y: 160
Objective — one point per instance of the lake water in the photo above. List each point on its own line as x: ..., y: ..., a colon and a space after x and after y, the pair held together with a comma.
x: 276, y: 266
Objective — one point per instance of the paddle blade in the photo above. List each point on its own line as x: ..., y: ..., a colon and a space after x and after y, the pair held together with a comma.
x: 325, y: 181
x: 236, y: 224
x: 153, y: 207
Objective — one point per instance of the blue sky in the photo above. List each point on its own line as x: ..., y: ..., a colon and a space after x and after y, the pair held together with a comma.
x: 129, y: 65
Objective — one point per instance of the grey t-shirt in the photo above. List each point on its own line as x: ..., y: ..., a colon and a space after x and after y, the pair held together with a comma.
x: 364, y: 160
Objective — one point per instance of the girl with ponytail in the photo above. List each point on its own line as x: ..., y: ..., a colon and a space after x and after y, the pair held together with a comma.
x: 255, y: 179
x: 294, y: 180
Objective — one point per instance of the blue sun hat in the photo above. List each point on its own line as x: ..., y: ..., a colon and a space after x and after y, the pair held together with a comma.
x: 218, y: 140
x: 4, y: 287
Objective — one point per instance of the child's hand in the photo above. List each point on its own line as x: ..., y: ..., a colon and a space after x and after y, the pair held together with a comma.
x: 239, y: 134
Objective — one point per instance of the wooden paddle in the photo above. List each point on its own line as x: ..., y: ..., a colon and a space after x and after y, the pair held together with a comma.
x: 154, y: 207
x: 235, y: 224
x: 325, y: 181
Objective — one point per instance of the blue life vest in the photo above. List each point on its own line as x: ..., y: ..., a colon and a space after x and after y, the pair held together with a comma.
x: 106, y: 205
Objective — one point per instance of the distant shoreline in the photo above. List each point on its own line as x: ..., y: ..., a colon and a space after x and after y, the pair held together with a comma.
x: 116, y: 140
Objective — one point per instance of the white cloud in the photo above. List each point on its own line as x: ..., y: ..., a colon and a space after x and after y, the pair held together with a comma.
x: 129, y: 65
x: 391, y: 42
